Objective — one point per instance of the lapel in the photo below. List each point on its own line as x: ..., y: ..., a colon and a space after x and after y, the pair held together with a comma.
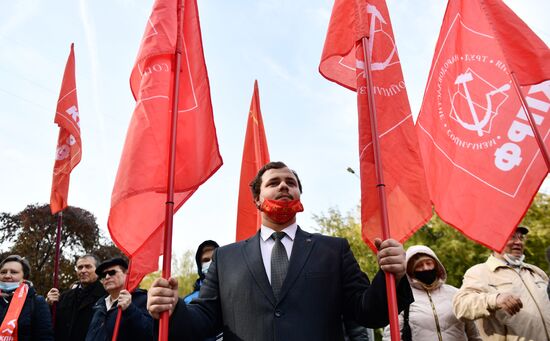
x: 303, y: 244
x: 253, y: 259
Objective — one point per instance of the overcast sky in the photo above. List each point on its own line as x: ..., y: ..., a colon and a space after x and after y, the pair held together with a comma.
x: 310, y: 123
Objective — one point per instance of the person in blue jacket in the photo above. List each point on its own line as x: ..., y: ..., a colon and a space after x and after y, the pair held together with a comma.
x: 203, y: 257
x: 136, y: 323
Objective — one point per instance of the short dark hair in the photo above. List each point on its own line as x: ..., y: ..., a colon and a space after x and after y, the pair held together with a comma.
x: 90, y: 255
x: 256, y: 183
x: 24, y: 264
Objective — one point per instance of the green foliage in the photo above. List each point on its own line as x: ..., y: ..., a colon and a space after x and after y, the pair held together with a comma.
x: 349, y: 227
x: 183, y: 268
x: 32, y: 232
x: 455, y: 251
x: 538, y: 239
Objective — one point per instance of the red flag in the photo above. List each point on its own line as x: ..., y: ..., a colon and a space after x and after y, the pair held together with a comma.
x: 137, y: 213
x: 69, y: 145
x: 479, y: 151
x: 255, y: 155
x: 342, y: 62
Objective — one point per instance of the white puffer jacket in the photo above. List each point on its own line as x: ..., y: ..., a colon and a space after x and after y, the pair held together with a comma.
x: 431, y: 314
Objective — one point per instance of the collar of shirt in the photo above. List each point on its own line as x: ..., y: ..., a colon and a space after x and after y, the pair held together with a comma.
x: 110, y: 302
x: 266, y: 244
x: 266, y: 232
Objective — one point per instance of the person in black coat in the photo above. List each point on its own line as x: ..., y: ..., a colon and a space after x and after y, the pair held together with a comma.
x: 136, y: 323
x: 283, y: 284
x: 74, y: 306
x: 34, y: 321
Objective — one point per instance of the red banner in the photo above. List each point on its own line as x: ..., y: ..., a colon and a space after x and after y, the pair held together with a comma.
x: 69, y: 145
x: 480, y: 155
x: 255, y: 155
x: 342, y: 61
x: 137, y: 213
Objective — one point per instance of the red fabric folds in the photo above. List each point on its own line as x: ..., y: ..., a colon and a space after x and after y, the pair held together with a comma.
x: 69, y: 145
x: 255, y: 155
x: 480, y: 153
x: 136, y: 219
x: 342, y: 61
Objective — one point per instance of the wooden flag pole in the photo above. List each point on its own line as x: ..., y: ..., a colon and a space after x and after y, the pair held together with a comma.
x: 390, y: 278
x: 56, y: 261
x: 531, y: 119
x: 169, y: 213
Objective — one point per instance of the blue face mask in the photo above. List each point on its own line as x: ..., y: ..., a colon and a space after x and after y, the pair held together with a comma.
x: 205, y: 267
x: 8, y: 286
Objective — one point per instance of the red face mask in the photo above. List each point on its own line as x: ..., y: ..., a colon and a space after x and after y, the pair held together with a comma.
x: 281, y: 211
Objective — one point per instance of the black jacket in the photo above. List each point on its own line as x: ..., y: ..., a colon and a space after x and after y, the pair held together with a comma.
x: 136, y: 323
x: 74, y: 312
x: 323, y: 283
x: 34, y: 323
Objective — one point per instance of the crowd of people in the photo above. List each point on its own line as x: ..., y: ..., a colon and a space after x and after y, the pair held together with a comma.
x: 286, y: 284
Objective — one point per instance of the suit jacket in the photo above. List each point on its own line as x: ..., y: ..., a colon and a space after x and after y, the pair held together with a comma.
x: 323, y: 282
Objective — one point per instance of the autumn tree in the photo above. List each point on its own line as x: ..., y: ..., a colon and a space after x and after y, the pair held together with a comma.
x: 31, y: 233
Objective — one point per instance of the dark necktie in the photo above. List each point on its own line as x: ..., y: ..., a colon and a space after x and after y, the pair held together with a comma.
x: 279, y: 263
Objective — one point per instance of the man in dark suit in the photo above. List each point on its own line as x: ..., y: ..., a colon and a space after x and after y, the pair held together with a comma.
x: 74, y: 306
x: 282, y: 286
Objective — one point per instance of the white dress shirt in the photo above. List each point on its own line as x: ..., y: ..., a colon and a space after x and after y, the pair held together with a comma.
x: 266, y: 244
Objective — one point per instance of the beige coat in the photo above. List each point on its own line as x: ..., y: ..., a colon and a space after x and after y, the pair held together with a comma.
x: 476, y: 300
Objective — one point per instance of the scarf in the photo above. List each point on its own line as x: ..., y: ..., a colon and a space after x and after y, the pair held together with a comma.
x: 8, y: 329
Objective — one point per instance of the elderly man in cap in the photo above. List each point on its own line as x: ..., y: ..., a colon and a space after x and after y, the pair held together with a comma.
x: 506, y: 296
x: 136, y: 323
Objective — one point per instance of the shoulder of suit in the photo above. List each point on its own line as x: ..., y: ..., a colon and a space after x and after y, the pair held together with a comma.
x: 328, y: 240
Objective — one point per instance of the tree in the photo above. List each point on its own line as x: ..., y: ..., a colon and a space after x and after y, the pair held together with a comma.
x: 183, y: 268
x: 31, y: 233
x: 455, y: 251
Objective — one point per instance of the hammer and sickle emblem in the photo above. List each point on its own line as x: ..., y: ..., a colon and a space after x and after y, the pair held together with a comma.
x: 478, y: 124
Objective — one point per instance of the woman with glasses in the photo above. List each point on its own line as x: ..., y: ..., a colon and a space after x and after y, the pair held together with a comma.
x: 25, y: 315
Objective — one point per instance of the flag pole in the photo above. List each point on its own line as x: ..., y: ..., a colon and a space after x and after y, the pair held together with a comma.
x: 56, y: 260
x: 169, y: 213
x: 257, y: 143
x: 531, y: 120
x: 390, y: 278
x: 119, y: 310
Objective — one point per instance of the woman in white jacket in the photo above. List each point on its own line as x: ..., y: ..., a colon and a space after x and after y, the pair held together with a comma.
x: 430, y: 316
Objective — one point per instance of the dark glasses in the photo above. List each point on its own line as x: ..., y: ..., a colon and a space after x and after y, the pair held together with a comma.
x: 111, y: 273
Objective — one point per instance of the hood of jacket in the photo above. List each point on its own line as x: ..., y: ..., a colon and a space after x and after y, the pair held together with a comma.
x: 198, y: 255
x: 441, y: 273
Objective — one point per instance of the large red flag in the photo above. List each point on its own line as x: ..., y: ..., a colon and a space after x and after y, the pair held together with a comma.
x: 69, y: 145
x: 255, y: 155
x: 480, y: 155
x: 342, y: 62
x: 137, y: 213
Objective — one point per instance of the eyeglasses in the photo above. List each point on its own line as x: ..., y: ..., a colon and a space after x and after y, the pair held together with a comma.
x: 111, y: 273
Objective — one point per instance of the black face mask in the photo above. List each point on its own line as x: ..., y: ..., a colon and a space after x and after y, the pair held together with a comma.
x: 426, y: 277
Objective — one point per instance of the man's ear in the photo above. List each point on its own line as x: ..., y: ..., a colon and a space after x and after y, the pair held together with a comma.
x: 257, y: 202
